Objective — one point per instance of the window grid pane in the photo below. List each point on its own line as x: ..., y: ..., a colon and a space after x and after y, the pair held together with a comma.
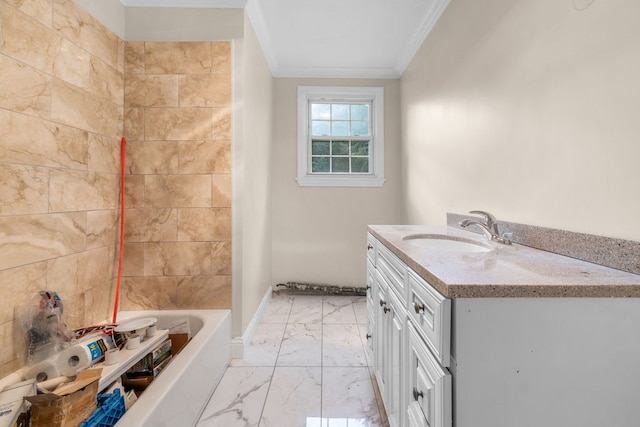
x: 343, y: 156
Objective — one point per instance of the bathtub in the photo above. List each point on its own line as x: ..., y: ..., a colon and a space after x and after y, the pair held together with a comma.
x: 180, y: 393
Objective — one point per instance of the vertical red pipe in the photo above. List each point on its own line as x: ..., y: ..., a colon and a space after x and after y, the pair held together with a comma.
x: 123, y: 147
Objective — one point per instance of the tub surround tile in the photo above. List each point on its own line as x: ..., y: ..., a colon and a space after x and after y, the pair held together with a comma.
x: 133, y: 58
x: 28, y: 40
x: 58, y: 235
x: 151, y: 225
x: 177, y: 259
x: 133, y: 259
x: 204, y: 292
x: 72, y: 64
x: 102, y: 228
x: 24, y: 189
x: 134, y: 123
x: 104, y: 154
x: 29, y: 91
x: 32, y: 278
x: 221, y: 187
x: 294, y: 396
x: 133, y: 191
x: 8, y: 350
x: 209, y: 224
x: 201, y: 157
x: 84, y: 30
x: 149, y: 293
x: 239, y: 398
x: 221, y: 58
x: 177, y: 191
x: 37, y: 9
x: 46, y: 143
x: 106, y: 81
x: 143, y: 91
x: 221, y: 123
x: 221, y: 258
x: 81, y: 191
x: 204, y: 90
x: 152, y: 157
x: 178, y: 57
x: 99, y: 262
x: 177, y: 124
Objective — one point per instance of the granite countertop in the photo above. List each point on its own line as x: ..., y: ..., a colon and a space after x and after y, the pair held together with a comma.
x: 505, y: 271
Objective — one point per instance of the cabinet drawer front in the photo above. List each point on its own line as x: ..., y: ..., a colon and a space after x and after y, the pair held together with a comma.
x: 429, y: 386
x: 371, y: 282
x: 393, y: 269
x: 431, y: 314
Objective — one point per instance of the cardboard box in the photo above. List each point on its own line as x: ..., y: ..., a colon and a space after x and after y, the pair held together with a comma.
x: 178, y: 341
x: 68, y: 405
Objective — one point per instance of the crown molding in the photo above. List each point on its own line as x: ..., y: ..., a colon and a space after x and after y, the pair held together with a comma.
x: 217, y: 4
x: 346, y: 73
x: 256, y: 17
x: 427, y: 24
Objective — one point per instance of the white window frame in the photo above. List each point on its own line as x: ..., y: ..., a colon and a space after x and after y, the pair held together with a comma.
x: 375, y: 95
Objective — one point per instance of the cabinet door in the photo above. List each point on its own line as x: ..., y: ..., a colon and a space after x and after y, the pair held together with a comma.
x: 380, y: 337
x: 396, y: 320
x: 428, y: 386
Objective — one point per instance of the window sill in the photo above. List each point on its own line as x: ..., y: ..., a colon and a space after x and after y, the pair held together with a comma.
x: 338, y: 181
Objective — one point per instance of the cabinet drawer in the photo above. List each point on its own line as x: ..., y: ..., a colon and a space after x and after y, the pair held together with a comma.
x: 393, y: 269
x: 371, y: 248
x: 429, y: 386
x: 431, y: 315
x: 371, y: 282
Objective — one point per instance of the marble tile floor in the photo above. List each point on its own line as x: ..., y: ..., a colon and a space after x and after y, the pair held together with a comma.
x: 306, y: 367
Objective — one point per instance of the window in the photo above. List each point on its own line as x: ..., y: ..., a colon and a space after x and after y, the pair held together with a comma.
x: 340, y: 136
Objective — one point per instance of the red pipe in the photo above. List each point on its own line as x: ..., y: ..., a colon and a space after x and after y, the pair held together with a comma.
x: 123, y: 146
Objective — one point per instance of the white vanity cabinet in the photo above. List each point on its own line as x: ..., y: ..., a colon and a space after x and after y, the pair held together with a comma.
x: 410, y: 340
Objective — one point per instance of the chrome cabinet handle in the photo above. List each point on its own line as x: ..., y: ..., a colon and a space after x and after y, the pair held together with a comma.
x: 417, y: 394
x: 418, y: 307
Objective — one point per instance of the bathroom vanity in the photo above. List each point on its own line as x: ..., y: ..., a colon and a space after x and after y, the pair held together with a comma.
x: 479, y: 334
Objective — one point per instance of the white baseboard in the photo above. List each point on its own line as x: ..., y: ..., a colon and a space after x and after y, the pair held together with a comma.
x: 238, y: 344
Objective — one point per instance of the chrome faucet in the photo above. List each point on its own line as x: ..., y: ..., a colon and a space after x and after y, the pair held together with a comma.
x: 489, y: 227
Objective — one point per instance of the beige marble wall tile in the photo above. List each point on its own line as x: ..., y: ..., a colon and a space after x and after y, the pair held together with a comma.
x: 134, y: 191
x: 144, y: 293
x: 104, y: 154
x: 152, y: 157
x: 28, y: 40
x: 177, y: 259
x: 177, y: 191
x: 45, y: 144
x: 177, y: 124
x: 134, y: 124
x: 17, y: 285
x: 204, y: 292
x: 151, y: 91
x: 205, y: 90
x: 121, y: 56
x: 133, y: 58
x: 211, y: 224
x: 212, y: 157
x: 23, y: 189
x: 26, y: 239
x: 97, y: 266
x: 82, y: 191
x: 99, y: 302
x: 102, y: 228
x: 7, y: 349
x: 37, y: 9
x: 80, y: 27
x: 221, y: 53
x: 133, y: 259
x: 29, y: 91
x: 221, y: 258
x: 106, y: 81
x: 178, y: 57
x: 79, y: 108
x: 62, y: 275
x: 74, y: 310
x: 72, y: 64
x: 221, y: 197
x: 151, y: 225
x: 221, y: 124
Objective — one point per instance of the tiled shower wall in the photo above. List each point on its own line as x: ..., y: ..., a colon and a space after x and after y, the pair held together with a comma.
x: 61, y: 118
x: 178, y: 191
x: 63, y: 106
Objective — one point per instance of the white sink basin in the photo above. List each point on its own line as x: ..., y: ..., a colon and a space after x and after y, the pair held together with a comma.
x: 441, y: 242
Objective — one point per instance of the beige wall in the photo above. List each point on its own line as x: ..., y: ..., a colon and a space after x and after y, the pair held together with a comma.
x: 178, y: 193
x: 61, y: 109
x: 528, y: 109
x: 319, y: 234
x: 254, y: 180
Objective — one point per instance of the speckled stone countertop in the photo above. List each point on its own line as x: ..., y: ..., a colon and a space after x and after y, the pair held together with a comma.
x: 505, y: 271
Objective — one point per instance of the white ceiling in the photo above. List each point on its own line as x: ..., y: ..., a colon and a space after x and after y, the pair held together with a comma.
x: 332, y: 38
